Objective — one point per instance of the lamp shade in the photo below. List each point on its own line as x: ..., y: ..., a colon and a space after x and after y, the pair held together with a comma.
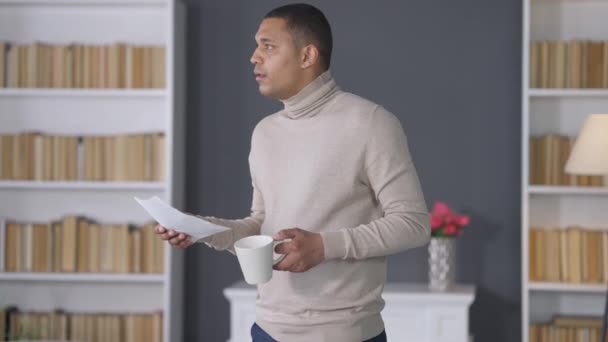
x: 589, y: 156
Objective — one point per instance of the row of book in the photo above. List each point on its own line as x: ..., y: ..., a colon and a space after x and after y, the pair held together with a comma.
x: 83, y: 327
x: 569, y: 64
x: 572, y: 255
x: 567, y: 329
x: 76, y: 244
x: 47, y: 65
x: 122, y: 157
x: 548, y: 155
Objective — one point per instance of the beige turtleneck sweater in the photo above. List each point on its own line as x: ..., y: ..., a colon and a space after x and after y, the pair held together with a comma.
x: 333, y: 163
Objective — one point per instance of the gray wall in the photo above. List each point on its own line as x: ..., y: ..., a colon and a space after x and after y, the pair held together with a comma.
x: 450, y: 70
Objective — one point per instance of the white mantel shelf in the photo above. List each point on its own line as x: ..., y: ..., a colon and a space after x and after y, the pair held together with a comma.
x: 413, y: 291
x: 412, y: 312
x: 457, y: 294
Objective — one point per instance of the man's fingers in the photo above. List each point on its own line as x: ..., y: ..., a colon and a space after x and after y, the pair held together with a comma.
x: 286, y: 233
x: 163, y: 231
x: 160, y: 229
x: 178, y: 239
x: 280, y: 249
x: 287, y: 247
x: 287, y: 263
x: 185, y: 243
x: 168, y: 235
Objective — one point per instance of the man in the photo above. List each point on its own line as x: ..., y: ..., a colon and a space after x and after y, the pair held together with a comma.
x: 332, y: 171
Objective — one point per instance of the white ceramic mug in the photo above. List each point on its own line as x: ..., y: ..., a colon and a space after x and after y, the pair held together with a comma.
x: 255, y: 255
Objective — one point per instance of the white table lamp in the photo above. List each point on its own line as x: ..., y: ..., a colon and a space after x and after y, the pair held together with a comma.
x: 589, y: 156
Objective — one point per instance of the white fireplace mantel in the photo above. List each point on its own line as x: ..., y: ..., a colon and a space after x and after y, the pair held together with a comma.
x: 412, y: 313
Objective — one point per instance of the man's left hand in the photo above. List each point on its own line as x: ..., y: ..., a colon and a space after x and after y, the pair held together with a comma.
x: 303, y: 252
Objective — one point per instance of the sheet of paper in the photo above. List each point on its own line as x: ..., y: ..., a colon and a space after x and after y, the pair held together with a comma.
x: 172, y: 218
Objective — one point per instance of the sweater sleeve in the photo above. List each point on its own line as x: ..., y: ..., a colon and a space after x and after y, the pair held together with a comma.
x: 392, y: 176
x: 250, y: 225
x: 240, y: 228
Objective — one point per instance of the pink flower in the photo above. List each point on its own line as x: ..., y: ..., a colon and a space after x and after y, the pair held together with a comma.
x: 450, y: 230
x: 449, y: 219
x: 445, y: 222
x: 436, y: 222
x: 441, y: 209
x: 463, y: 220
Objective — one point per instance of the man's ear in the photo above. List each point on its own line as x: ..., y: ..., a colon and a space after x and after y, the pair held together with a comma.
x: 310, y: 56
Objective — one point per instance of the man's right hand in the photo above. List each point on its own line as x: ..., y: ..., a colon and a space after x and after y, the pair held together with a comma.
x: 178, y: 240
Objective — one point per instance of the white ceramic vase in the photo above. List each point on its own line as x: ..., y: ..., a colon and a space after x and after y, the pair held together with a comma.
x: 442, y: 254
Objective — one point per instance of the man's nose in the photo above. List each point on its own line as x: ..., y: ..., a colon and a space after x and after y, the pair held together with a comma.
x: 255, y: 57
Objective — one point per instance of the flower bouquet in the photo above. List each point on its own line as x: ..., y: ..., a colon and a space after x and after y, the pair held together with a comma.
x: 445, y: 226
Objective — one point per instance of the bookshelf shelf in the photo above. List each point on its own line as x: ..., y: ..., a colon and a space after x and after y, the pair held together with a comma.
x: 567, y: 190
x: 558, y: 93
x: 566, y: 287
x: 77, y: 185
x: 82, y: 277
x: 83, y: 93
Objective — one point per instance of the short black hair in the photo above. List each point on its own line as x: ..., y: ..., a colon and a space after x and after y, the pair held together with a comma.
x: 307, y: 23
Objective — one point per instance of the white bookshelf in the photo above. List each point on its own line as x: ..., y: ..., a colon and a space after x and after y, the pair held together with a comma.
x: 97, y: 111
x: 560, y: 111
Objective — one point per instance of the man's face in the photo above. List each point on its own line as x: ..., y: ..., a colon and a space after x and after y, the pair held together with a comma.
x: 276, y: 60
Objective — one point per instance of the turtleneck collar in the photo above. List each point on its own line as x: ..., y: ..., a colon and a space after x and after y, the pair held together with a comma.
x: 309, y: 101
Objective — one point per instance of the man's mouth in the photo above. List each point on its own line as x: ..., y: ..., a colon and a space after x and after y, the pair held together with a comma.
x: 259, y: 76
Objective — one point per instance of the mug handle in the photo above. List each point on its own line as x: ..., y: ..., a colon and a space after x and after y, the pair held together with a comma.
x: 275, y: 243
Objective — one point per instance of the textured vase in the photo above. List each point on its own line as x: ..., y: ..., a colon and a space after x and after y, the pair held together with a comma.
x: 441, y: 263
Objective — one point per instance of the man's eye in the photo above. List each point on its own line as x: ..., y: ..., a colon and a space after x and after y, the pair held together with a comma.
x: 269, y: 47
